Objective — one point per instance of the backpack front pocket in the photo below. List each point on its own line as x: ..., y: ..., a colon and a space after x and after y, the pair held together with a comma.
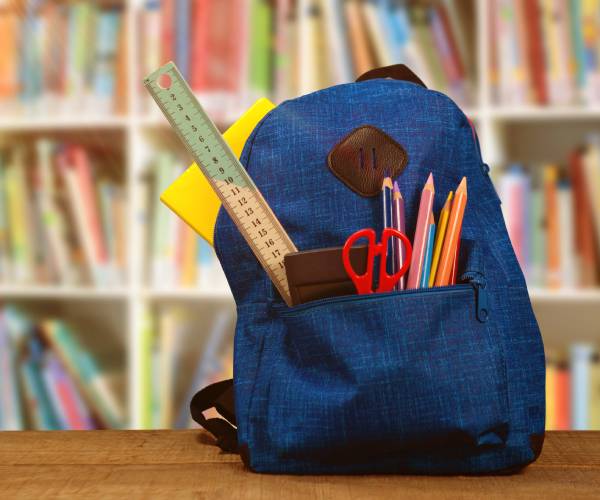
x: 385, y: 373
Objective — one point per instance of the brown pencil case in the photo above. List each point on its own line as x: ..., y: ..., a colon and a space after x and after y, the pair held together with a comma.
x: 319, y: 274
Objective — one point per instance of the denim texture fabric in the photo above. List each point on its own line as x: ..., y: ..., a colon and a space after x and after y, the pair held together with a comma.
x: 406, y: 382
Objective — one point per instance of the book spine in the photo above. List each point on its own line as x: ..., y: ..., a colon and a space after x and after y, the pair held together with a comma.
x: 39, y: 404
x: 581, y: 355
x: 107, y: 37
x: 5, y: 260
x: 567, y: 248
x: 535, y: 51
x: 182, y: 35
x: 563, y: 398
x: 205, y: 365
x: 594, y: 416
x: 359, y: 43
x: 10, y: 397
x: 65, y: 397
x: 76, y: 205
x: 552, y: 224
x: 551, y: 389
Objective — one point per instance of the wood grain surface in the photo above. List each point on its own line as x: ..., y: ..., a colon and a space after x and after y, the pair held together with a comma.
x: 185, y: 464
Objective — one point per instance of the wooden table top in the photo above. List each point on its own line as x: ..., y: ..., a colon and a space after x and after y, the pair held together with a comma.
x: 182, y: 464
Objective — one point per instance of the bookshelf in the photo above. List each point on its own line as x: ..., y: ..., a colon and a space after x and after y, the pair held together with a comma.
x: 504, y: 131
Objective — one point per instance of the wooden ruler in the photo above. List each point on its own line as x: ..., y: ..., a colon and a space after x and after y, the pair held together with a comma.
x: 238, y: 193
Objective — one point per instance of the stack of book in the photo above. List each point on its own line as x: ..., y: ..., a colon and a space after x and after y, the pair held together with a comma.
x: 545, y: 51
x: 552, y: 214
x: 232, y: 52
x: 48, y: 380
x: 176, y: 255
x: 62, y: 57
x: 165, y: 386
x: 62, y: 215
x: 573, y: 389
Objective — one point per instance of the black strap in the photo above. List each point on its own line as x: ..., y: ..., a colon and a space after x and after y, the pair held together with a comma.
x: 219, y: 396
x: 395, y: 71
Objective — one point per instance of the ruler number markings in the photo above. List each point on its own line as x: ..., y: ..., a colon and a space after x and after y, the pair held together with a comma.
x: 240, y: 197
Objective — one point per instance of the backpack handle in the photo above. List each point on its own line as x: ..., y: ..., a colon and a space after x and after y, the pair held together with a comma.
x: 395, y: 71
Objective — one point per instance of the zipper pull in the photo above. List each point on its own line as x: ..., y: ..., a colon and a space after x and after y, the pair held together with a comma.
x: 481, y: 300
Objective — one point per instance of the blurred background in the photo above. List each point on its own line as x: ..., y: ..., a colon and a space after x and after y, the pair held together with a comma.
x: 113, y: 312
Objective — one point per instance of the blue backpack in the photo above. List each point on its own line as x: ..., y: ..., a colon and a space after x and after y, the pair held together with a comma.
x: 427, y: 381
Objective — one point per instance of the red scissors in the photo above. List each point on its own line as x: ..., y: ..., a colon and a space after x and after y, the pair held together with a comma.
x: 364, y: 282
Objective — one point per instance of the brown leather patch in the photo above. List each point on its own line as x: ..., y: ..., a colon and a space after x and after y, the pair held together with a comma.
x: 361, y: 159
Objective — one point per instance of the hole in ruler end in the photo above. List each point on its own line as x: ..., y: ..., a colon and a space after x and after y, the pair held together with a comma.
x: 164, y: 81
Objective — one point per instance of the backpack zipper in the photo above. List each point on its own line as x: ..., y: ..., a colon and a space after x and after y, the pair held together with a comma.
x: 475, y: 280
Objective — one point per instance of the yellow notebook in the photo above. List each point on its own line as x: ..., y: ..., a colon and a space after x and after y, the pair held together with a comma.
x: 191, y: 197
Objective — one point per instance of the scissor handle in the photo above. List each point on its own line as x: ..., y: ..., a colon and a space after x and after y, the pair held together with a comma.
x: 362, y: 282
x: 388, y: 282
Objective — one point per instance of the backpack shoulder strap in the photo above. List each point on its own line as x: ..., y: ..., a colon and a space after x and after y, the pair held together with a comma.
x: 219, y: 396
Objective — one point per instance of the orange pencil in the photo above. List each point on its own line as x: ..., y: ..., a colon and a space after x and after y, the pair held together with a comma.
x: 421, y: 231
x: 454, y: 271
x: 442, y: 277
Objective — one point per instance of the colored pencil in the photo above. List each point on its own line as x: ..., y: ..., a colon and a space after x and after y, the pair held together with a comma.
x: 386, y: 196
x: 428, y: 253
x: 398, y: 223
x: 439, y: 237
x: 444, y: 270
x: 420, y: 239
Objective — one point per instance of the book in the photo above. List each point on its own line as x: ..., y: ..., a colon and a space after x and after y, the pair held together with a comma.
x: 170, y: 326
x: 71, y: 411
x: 53, y: 221
x: 594, y: 394
x: 5, y: 247
x: 360, y: 45
x: 241, y: 50
x: 40, y: 409
x: 581, y: 355
x: 563, y: 397
x: 537, y: 256
x: 260, y: 50
x: 9, y: 64
x: 182, y: 35
x: 70, y: 162
x: 91, y: 380
x: 20, y: 233
x: 377, y: 32
x: 551, y: 390
x: 337, y: 46
x: 145, y: 395
x: 568, y: 268
x: 208, y: 364
x: 536, y: 57
x: 513, y: 189
x: 108, y: 26
x: 585, y: 241
x: 552, y: 213
x: 284, y: 45
x: 552, y: 226
x: 10, y: 396
x: 591, y: 169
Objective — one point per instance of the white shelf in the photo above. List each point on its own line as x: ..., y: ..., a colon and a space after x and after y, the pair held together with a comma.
x: 31, y: 123
x: 530, y: 113
x: 562, y: 295
x: 186, y: 294
x: 60, y: 292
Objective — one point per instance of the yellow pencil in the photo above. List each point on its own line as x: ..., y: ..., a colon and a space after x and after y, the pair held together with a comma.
x: 439, y: 238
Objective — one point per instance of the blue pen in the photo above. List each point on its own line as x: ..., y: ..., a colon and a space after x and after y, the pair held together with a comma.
x: 428, y: 253
x: 386, y: 196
